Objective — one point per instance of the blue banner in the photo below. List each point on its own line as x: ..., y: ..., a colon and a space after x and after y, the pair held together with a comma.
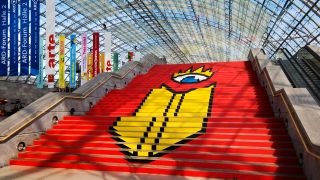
x: 40, y: 74
x: 13, y: 38
x: 24, y: 37
x: 73, y: 61
x: 3, y: 38
x: 34, y: 36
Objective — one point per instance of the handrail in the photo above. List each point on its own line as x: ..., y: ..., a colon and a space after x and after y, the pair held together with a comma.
x: 290, y: 111
x: 5, y: 138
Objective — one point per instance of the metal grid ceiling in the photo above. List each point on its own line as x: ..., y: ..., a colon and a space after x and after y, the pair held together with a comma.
x: 187, y: 31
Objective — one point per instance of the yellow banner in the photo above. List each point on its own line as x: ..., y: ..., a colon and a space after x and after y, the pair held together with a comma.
x: 102, y: 64
x: 62, y: 83
x: 90, y: 66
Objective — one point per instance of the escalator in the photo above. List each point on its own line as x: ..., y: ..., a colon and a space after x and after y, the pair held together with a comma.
x: 303, y: 70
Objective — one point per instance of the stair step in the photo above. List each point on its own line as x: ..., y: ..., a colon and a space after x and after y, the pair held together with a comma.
x: 161, y: 119
x: 173, y: 135
x: 179, y: 155
x: 104, y: 148
x: 197, y: 168
x: 216, y: 164
x: 162, y: 141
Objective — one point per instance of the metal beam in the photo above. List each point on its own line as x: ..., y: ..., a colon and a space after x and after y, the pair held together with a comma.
x: 150, y: 20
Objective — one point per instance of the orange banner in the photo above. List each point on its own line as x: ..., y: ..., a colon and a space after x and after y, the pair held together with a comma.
x: 89, y: 66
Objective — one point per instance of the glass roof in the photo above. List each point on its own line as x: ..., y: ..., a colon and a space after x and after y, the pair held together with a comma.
x: 187, y: 31
x: 196, y: 30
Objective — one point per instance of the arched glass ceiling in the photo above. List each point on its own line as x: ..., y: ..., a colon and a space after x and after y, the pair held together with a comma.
x: 192, y: 30
x: 196, y: 30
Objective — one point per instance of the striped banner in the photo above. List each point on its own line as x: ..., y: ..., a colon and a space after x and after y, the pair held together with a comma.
x: 95, y: 54
x: 107, y: 47
x: 4, y: 38
x: 13, y: 37
x: 62, y: 83
x: 73, y: 59
x: 50, y: 41
x: 83, y: 59
x: 89, y: 66
x: 24, y: 37
x: 34, y: 37
x: 40, y: 74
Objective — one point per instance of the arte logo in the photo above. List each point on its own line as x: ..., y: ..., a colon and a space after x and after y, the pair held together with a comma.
x: 167, y: 118
x: 108, y: 68
x: 51, y: 55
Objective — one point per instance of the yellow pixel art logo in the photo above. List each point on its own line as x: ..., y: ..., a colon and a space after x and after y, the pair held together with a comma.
x: 167, y: 118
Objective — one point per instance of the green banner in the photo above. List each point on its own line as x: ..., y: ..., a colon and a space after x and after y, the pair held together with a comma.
x: 115, y: 62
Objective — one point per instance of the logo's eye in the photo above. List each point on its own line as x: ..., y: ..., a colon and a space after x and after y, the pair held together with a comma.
x: 190, y: 78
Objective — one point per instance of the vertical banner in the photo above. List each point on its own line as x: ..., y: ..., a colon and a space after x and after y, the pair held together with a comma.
x: 34, y: 37
x: 137, y: 56
x: 101, y: 60
x: 130, y: 56
x: 40, y: 74
x: 50, y: 41
x: 73, y: 60
x: 123, y: 59
x: 95, y: 54
x: 13, y: 38
x: 107, y: 47
x: 115, y: 61
x: 62, y: 83
x: 89, y: 66
x: 24, y: 37
x: 83, y: 59
x: 4, y: 38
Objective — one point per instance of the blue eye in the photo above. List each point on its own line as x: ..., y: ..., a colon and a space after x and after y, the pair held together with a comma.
x: 190, y: 78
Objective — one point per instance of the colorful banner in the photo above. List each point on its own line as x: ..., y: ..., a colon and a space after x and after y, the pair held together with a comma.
x: 107, y: 47
x: 130, y: 56
x: 24, y: 37
x: 101, y: 58
x: 115, y: 62
x: 95, y: 54
x: 62, y: 83
x: 89, y: 66
x: 14, y: 37
x: 83, y: 59
x: 34, y: 37
x: 4, y: 38
x: 73, y: 59
x: 50, y: 41
x: 40, y: 74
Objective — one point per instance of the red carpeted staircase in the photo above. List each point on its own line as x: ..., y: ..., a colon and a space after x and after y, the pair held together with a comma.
x: 221, y: 127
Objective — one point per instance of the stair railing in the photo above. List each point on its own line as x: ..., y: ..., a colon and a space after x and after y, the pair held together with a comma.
x: 281, y: 93
x: 75, y: 96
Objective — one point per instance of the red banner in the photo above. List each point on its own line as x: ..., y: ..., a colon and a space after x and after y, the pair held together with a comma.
x: 95, y: 65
